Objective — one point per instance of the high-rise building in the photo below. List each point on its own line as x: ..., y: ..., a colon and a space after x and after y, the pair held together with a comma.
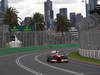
x: 0, y: 5
x: 63, y: 12
x: 49, y: 17
x: 3, y: 5
x: 27, y: 21
x: 78, y: 17
x: 1, y: 18
x: 73, y: 19
x: 92, y: 4
x: 58, y: 15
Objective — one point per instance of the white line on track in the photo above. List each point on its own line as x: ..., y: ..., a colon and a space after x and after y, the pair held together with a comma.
x: 24, y: 67
x: 37, y: 59
x: 58, y: 68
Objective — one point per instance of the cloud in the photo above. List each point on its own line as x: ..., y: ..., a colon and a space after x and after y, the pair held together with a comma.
x: 65, y: 1
x: 28, y: 7
x: 25, y: 8
x: 58, y: 1
x: 15, y: 1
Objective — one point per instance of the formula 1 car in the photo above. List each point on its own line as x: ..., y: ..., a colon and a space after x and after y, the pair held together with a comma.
x: 57, y: 58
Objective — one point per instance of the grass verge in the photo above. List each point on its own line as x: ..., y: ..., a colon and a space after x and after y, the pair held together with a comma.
x: 75, y: 55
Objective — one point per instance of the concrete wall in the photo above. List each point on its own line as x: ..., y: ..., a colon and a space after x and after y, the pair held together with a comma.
x: 90, y: 53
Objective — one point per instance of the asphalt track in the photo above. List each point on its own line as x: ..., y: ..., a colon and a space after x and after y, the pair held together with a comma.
x: 34, y: 63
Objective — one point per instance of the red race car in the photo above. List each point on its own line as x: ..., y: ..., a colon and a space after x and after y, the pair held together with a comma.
x: 57, y: 58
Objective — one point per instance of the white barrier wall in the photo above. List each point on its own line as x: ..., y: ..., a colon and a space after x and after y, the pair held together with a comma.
x: 90, y: 53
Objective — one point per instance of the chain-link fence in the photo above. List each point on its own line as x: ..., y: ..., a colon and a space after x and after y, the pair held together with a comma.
x: 89, y: 29
x: 90, y: 40
x: 30, y: 38
x: 89, y: 35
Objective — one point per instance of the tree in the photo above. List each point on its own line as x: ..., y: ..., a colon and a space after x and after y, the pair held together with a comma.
x: 10, y: 17
x: 63, y: 24
x: 38, y: 20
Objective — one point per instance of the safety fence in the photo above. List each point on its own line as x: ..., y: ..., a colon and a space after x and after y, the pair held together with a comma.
x: 89, y: 35
x: 90, y: 40
x: 30, y: 38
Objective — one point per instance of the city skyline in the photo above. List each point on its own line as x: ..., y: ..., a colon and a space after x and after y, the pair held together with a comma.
x: 38, y: 6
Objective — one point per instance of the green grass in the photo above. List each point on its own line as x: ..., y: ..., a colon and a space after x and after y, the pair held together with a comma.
x: 75, y: 55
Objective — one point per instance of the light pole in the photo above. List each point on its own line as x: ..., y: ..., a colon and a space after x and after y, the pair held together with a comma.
x: 35, y: 35
x: 86, y: 7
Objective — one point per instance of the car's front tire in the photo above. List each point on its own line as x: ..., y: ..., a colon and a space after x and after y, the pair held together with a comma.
x: 48, y: 60
x: 66, y: 61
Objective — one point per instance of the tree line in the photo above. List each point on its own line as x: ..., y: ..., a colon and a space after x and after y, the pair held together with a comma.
x: 11, y: 18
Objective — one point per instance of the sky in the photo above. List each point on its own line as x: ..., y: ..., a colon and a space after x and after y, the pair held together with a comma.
x: 27, y: 8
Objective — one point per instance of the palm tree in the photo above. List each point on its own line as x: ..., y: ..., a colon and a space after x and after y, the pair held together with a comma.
x: 10, y: 17
x: 63, y: 24
x: 38, y: 20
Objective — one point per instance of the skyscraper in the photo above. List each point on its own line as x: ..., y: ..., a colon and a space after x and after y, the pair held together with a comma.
x: 92, y: 4
x: 0, y: 3
x: 3, y: 5
x: 27, y: 21
x: 63, y: 12
x: 73, y: 19
x: 78, y: 17
x: 48, y: 13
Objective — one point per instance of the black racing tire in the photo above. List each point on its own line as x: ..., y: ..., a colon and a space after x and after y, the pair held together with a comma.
x: 48, y: 60
x: 66, y: 61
